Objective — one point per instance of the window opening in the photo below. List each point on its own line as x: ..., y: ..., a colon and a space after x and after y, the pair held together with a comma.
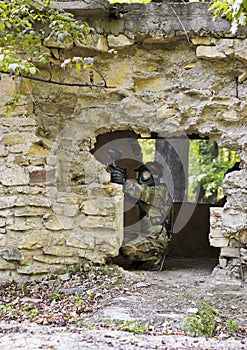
x: 208, y: 164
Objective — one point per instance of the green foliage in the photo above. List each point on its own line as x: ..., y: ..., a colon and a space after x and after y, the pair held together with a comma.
x: 11, y: 104
x: 204, y: 323
x: 55, y: 296
x: 232, y: 326
x: 133, y: 327
x: 7, y: 309
x: 31, y: 312
x: 207, y: 168
x: 25, y: 25
x: 78, y: 299
x: 233, y: 10
x: 148, y: 149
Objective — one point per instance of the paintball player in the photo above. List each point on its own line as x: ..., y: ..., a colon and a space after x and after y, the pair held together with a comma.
x: 149, y: 250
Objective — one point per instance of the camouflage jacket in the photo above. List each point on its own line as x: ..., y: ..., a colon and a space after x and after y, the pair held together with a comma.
x: 155, y: 202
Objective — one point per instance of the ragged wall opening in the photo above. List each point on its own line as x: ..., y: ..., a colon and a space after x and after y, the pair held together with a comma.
x: 193, y: 170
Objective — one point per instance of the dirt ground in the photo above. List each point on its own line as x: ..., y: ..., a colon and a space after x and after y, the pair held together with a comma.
x: 135, y: 310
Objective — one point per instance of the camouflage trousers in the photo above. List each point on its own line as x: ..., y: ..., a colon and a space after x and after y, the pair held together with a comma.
x: 147, y: 249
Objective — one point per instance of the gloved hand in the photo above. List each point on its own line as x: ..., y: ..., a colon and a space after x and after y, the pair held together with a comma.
x: 118, y: 175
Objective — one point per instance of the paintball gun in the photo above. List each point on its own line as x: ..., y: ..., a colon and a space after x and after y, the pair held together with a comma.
x: 118, y: 174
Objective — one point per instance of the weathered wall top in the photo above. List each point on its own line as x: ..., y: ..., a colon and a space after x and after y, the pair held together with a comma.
x: 165, y: 19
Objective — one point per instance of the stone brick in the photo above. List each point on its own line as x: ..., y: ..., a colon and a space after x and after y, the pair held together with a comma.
x: 14, y: 176
x: 93, y: 222
x: 62, y: 251
x: 154, y: 84
x: 66, y: 209
x: 7, y: 88
x: 83, y: 240
x: 5, y: 265
x: 203, y: 40
x: 94, y: 256
x: 230, y: 116
x: 229, y: 252
x: 119, y: 41
x: 12, y: 254
x: 97, y: 207
x: 243, y: 237
x: 7, y: 202
x: 29, y: 211
x: 209, y: 52
x: 214, y: 211
x: 42, y: 176
x: 15, y: 123
x: 219, y: 242
x: 21, y: 160
x: 102, y: 43
x: 241, y: 50
x: 68, y: 198
x: 223, y: 262
x: 242, y: 77
x: 22, y: 148
x: 234, y: 219
x: 214, y: 233
x: 14, y: 139
x: 37, y: 161
x: 5, y: 212
x: 37, y: 151
x: 49, y: 259
x: 35, y: 240
x: 58, y: 222
x: 21, y: 225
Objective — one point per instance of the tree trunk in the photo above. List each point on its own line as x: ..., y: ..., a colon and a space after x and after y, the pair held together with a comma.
x: 173, y: 153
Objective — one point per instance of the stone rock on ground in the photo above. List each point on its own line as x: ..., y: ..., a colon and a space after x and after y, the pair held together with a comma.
x: 161, y: 298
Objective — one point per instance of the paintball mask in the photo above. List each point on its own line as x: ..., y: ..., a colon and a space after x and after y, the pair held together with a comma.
x: 148, y: 173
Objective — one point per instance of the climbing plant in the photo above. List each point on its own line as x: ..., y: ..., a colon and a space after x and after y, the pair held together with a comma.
x: 25, y: 28
x: 233, y: 10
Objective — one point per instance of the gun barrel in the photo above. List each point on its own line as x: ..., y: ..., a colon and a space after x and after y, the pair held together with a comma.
x: 115, y: 154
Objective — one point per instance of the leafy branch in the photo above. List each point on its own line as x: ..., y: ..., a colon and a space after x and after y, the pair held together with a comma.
x: 25, y: 29
x: 233, y: 10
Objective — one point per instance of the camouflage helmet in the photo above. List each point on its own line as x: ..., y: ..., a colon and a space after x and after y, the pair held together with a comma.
x: 155, y: 168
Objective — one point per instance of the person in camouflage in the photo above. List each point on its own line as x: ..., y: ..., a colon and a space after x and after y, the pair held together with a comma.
x: 149, y: 250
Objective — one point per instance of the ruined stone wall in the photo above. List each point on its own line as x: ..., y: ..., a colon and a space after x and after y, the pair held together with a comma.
x: 57, y: 205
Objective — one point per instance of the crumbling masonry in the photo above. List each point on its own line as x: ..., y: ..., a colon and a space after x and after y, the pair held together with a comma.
x: 177, y: 72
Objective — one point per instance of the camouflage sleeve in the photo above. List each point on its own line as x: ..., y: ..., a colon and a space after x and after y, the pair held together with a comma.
x: 162, y: 203
x: 132, y: 190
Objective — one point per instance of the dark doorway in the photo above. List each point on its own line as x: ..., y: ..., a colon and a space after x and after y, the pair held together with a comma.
x: 191, y: 195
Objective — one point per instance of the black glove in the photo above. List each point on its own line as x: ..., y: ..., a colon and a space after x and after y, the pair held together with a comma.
x: 118, y: 175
